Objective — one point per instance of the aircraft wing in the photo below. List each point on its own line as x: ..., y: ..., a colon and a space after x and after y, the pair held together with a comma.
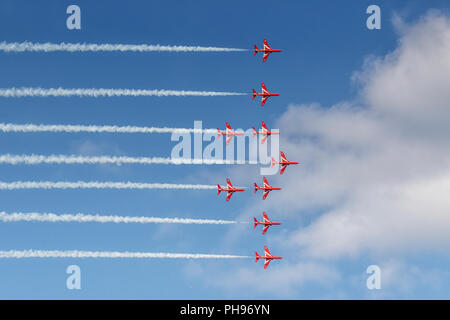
x: 265, y: 56
x: 264, y: 89
x: 263, y: 100
x: 267, y: 252
x: 264, y: 139
x: 229, y: 185
x: 265, y: 229
x: 283, y: 167
x: 266, y: 192
x: 283, y: 156
x: 266, y: 264
x: 229, y: 194
x: 229, y: 140
x: 266, y: 44
x: 266, y: 183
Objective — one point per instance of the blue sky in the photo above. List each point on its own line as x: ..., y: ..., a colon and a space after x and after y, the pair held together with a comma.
x: 323, y: 44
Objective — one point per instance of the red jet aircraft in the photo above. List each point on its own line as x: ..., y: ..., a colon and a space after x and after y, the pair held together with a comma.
x: 267, y: 256
x: 284, y: 162
x: 266, y: 132
x: 230, y: 133
x: 266, y: 223
x: 266, y: 187
x: 265, y: 94
x: 266, y: 50
x: 229, y: 189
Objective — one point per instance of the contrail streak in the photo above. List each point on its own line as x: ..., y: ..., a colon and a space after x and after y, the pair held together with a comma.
x: 92, y: 47
x: 102, y: 92
x: 24, y: 128
x: 19, y: 254
x: 17, y: 185
x: 117, y: 160
x: 80, y: 217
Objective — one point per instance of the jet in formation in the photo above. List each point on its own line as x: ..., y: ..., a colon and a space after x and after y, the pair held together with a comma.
x: 267, y: 256
x: 264, y: 94
x: 266, y: 223
x: 229, y: 189
x: 264, y: 131
x: 229, y: 133
x: 284, y: 162
x: 266, y: 187
x: 266, y: 50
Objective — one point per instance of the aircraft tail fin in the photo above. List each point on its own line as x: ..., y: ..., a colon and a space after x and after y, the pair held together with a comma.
x: 219, y: 189
x: 257, y: 256
x: 263, y: 124
x: 256, y: 187
x: 256, y: 50
x: 256, y: 223
x: 218, y: 133
x: 254, y: 94
x: 273, y: 162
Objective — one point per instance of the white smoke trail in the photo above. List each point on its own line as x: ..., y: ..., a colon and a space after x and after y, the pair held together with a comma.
x: 19, y: 254
x: 23, y: 128
x: 83, y: 47
x: 80, y: 217
x: 17, y: 185
x: 102, y: 92
x: 118, y: 160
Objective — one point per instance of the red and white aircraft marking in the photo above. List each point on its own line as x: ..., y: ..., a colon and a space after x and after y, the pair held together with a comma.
x: 266, y: 50
x: 230, y: 133
x: 266, y: 187
x: 266, y: 223
x: 229, y: 189
x: 284, y: 162
x: 267, y: 256
x: 265, y: 94
x: 265, y: 132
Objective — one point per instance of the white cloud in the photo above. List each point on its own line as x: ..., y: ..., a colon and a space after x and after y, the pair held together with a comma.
x: 281, y: 281
x: 380, y: 172
x: 374, y: 178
